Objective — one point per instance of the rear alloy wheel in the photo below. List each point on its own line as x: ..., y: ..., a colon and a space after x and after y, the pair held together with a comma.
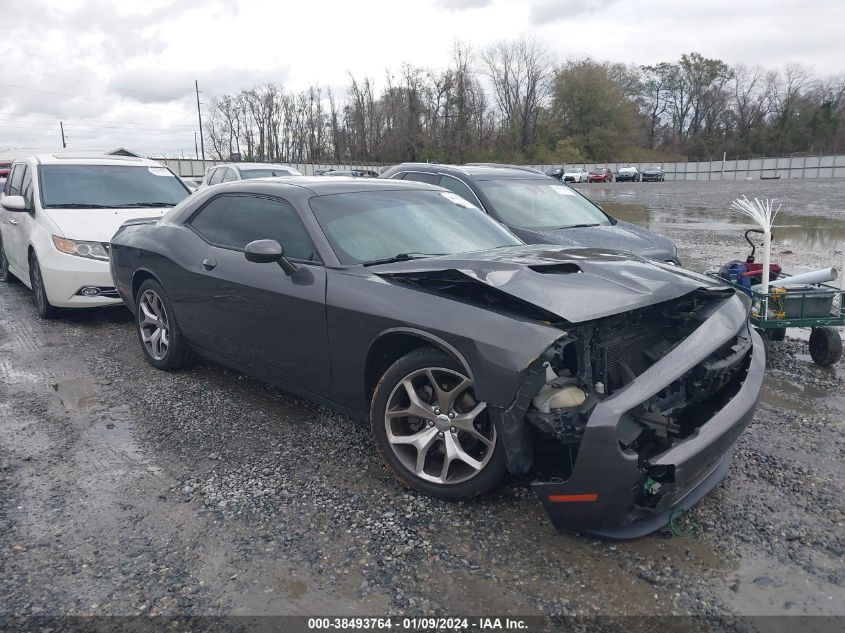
x: 432, y: 431
x: 160, y: 337
x: 45, y: 309
x: 5, y: 275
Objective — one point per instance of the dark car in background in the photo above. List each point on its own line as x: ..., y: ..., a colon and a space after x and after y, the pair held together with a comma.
x: 556, y: 172
x: 600, y: 175
x: 470, y: 353
x: 653, y: 174
x: 628, y: 174
x: 538, y: 208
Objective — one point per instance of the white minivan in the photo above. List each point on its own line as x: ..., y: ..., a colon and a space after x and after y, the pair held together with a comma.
x: 59, y: 213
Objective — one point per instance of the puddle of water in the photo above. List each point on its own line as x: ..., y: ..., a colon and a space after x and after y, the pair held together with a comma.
x: 76, y: 393
x: 760, y: 587
x: 791, y: 232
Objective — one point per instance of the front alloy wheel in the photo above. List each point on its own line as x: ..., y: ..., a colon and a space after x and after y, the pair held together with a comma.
x: 433, y: 431
x: 46, y: 310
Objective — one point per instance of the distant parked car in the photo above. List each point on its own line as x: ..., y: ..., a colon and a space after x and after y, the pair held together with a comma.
x: 600, y: 175
x: 191, y: 183
x: 59, y: 213
x: 653, y: 174
x: 576, y: 175
x: 556, y: 172
x: 628, y: 174
x: 538, y: 208
x: 352, y: 173
x: 244, y: 171
x: 323, y: 172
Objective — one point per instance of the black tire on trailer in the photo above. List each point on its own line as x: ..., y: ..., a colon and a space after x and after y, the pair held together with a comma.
x: 825, y: 346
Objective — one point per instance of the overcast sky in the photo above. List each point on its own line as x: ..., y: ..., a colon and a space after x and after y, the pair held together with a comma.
x: 122, y: 73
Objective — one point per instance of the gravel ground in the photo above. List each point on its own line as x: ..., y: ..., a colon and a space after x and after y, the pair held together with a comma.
x: 125, y: 490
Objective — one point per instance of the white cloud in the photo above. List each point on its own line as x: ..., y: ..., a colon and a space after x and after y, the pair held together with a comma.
x: 133, y: 64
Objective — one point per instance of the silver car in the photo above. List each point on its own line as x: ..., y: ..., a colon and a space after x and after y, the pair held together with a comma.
x: 244, y: 171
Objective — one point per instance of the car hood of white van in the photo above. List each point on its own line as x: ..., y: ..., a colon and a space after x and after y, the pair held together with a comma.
x: 97, y: 225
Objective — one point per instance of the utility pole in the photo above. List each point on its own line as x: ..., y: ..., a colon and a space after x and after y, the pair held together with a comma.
x: 62, y: 128
x: 199, y: 116
x: 196, y: 147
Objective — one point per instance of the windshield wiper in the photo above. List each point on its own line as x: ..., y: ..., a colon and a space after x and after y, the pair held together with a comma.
x: 579, y: 226
x: 402, y: 257
x: 76, y: 205
x: 133, y: 205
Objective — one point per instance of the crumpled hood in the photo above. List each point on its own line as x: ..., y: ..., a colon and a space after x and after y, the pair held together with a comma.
x: 97, y: 225
x: 622, y: 236
x: 574, y: 284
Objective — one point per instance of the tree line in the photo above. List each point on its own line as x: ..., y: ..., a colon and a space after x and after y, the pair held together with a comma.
x: 514, y: 102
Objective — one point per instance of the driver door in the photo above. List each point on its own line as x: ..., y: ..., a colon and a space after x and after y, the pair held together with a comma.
x: 16, y: 225
x: 254, y: 315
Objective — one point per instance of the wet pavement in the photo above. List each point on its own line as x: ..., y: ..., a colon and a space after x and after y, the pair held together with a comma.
x: 125, y: 490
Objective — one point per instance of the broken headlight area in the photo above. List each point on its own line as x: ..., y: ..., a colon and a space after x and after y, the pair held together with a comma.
x: 678, y: 412
x: 600, y: 358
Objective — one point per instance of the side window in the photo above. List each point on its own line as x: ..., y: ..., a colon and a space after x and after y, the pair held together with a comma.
x: 26, y: 187
x: 455, y: 185
x: 216, y: 176
x: 398, y: 176
x: 15, y: 180
x: 233, y: 221
x: 421, y: 177
x: 229, y: 175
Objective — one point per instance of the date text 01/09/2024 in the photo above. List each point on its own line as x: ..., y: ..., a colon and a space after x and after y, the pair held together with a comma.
x: 419, y: 623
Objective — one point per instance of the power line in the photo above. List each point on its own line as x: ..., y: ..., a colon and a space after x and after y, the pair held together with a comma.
x: 63, y: 63
x: 64, y: 94
x: 17, y: 117
x: 91, y: 83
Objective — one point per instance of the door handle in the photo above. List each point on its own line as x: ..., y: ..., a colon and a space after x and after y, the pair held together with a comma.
x: 15, y: 222
x: 209, y: 264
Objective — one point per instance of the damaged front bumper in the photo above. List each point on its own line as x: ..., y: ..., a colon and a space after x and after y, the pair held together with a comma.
x: 619, y: 493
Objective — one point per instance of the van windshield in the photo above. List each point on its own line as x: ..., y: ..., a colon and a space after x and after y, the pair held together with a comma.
x: 109, y: 186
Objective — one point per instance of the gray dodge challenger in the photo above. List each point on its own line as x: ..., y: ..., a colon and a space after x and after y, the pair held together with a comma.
x: 619, y: 383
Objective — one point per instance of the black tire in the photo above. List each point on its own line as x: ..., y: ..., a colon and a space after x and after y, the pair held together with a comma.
x: 5, y: 276
x: 177, y: 352
x: 777, y: 335
x: 825, y: 346
x: 483, y: 480
x: 45, y: 309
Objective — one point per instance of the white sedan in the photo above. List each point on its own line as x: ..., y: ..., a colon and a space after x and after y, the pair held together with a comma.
x: 59, y: 214
x: 576, y: 175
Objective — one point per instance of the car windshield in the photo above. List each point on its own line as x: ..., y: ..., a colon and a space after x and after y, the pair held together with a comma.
x: 369, y: 226
x: 627, y: 170
x: 109, y: 186
x: 267, y: 173
x: 540, y: 204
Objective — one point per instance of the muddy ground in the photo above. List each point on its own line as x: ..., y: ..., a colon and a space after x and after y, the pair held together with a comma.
x: 125, y: 490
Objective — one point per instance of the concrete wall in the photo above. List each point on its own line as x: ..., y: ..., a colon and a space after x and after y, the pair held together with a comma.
x: 190, y: 167
x: 743, y: 169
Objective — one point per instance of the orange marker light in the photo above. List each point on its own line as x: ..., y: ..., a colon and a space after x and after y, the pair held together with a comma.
x: 593, y: 496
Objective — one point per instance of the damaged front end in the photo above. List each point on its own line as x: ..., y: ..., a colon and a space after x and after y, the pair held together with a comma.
x: 632, y: 415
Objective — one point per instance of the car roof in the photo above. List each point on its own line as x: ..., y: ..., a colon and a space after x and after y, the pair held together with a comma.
x: 476, y: 172
x: 89, y: 159
x: 256, y: 166
x: 322, y: 186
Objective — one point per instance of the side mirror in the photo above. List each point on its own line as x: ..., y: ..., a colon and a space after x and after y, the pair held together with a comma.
x: 267, y: 252
x: 13, y: 203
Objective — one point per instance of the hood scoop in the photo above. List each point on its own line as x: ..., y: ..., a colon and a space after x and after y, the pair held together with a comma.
x: 549, y: 284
